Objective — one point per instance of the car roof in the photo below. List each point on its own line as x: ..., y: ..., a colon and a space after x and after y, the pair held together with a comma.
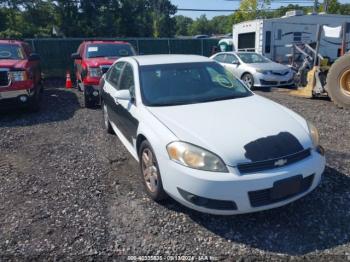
x: 11, y: 41
x: 236, y: 52
x: 169, y: 59
x: 105, y: 42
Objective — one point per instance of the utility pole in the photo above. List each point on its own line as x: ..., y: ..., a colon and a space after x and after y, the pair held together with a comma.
x: 315, y: 6
x: 325, y: 6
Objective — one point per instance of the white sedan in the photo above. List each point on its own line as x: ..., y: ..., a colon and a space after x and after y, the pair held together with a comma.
x: 203, y: 138
x: 255, y: 70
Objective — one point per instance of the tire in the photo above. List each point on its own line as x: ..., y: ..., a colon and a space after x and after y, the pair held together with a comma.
x: 87, y: 102
x: 153, y: 184
x: 248, y: 79
x: 338, y: 80
x: 105, y: 120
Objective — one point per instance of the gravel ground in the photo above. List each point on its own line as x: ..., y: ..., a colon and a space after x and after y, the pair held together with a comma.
x: 69, y: 191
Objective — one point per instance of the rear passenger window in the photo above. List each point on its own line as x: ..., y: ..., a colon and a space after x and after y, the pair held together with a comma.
x: 113, y: 74
x: 230, y: 59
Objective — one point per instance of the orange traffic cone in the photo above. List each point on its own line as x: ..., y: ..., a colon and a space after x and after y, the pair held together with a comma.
x: 68, y: 80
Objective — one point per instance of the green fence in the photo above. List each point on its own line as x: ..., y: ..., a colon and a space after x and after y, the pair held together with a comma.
x: 55, y: 52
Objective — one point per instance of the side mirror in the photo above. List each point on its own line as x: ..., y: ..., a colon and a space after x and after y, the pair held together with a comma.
x: 123, y: 95
x: 236, y: 63
x: 76, y: 56
x: 33, y: 57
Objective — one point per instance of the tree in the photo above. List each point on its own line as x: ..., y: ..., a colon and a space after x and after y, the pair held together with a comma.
x: 183, y: 24
x: 221, y: 24
x: 201, y: 26
x: 161, y: 12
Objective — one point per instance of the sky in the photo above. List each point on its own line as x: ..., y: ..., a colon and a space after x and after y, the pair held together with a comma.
x: 217, y: 4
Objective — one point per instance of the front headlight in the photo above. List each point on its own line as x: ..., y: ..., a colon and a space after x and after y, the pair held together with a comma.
x: 315, y: 137
x: 195, y: 157
x: 262, y: 71
x: 94, y: 72
x: 17, y: 76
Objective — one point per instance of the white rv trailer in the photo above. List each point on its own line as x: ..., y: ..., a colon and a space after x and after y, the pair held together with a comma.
x: 270, y: 36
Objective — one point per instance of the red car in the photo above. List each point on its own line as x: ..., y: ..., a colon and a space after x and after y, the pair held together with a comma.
x: 20, y: 75
x: 92, y: 60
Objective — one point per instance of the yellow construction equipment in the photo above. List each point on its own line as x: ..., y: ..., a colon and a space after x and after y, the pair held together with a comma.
x: 316, y: 77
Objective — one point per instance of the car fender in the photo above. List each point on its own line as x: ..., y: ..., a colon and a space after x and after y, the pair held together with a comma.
x: 157, y: 134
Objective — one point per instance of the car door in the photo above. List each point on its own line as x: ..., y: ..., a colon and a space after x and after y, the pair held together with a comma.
x: 231, y: 63
x: 110, y: 88
x: 127, y: 109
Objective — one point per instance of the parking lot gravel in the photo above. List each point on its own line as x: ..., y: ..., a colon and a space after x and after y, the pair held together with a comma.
x: 69, y: 191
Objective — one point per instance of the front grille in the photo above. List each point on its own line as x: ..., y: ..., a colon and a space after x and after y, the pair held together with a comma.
x: 286, y: 82
x: 264, y: 82
x: 280, y: 73
x: 258, y: 166
x: 263, y: 197
x: 105, y: 69
x: 4, y: 79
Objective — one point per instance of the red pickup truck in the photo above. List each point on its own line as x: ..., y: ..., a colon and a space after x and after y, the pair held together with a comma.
x: 20, y: 75
x: 92, y: 60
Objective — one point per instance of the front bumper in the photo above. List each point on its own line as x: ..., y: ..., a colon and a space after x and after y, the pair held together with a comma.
x: 13, y: 98
x: 225, y: 188
x: 271, y: 80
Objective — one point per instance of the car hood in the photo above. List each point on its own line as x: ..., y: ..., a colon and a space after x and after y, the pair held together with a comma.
x: 12, y: 63
x: 239, y: 130
x: 98, y: 61
x: 269, y: 66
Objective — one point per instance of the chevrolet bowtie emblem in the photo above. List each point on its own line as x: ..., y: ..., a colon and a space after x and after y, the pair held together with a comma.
x: 281, y: 162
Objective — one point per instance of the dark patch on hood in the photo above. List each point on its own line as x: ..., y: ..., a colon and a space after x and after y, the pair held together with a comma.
x: 272, y: 147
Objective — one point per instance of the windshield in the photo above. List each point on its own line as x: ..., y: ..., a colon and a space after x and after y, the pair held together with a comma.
x: 109, y: 50
x: 251, y: 58
x: 188, y: 83
x: 8, y: 51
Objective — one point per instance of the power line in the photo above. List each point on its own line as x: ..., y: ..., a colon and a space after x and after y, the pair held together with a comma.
x: 223, y: 10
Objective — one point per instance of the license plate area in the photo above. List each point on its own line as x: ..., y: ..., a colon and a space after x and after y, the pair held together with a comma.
x: 286, y: 187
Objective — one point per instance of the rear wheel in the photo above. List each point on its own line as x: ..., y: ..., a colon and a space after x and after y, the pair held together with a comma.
x: 248, y: 79
x: 338, y: 81
x: 150, y: 172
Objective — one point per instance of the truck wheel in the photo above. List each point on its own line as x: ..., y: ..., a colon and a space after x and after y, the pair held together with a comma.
x: 87, y: 102
x: 338, y: 82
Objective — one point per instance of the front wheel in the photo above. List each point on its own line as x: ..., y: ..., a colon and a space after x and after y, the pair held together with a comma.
x: 150, y: 172
x: 248, y: 79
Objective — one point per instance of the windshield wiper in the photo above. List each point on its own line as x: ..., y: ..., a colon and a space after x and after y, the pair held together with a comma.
x: 223, y: 98
x: 99, y: 56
